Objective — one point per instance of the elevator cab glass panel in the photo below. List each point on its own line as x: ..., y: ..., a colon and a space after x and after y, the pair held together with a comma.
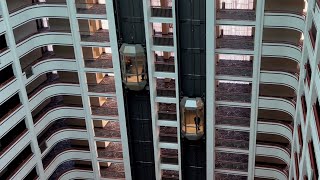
x: 192, y: 118
x: 133, y: 66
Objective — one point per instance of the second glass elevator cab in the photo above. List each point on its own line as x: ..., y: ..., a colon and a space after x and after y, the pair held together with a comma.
x: 133, y: 66
x: 192, y: 118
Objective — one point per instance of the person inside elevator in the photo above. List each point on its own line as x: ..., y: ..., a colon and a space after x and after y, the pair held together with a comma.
x: 197, y: 122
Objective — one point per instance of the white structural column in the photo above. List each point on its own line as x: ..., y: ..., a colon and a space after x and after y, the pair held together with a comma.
x: 176, y: 75
x: 74, y: 25
x: 119, y: 90
x: 152, y: 86
x: 255, y: 86
x: 23, y: 93
x: 210, y: 86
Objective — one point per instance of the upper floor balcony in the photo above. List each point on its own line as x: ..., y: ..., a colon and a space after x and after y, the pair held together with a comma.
x: 112, y: 170
x: 273, y: 169
x: 91, y: 8
x: 32, y: 175
x: 97, y: 36
x: 161, y: 8
x: 3, y: 44
x: 293, y: 7
x: 6, y: 76
x: 107, y: 129
x: 234, y: 92
x: 164, y: 62
x: 166, y: 87
x: 169, y: 156
x: 233, y: 116
x: 110, y: 151
x: 167, y: 112
x: 162, y: 34
x: 229, y: 161
x: 232, y: 139
x: 105, y: 85
x: 104, y: 107
x: 9, y: 107
x: 238, y: 68
x: 236, y: 14
x: 103, y: 61
x: 71, y: 165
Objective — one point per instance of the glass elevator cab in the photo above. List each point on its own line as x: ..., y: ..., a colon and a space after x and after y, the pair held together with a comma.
x: 133, y: 66
x: 192, y: 118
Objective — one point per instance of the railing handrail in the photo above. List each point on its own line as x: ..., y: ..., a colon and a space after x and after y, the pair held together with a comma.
x: 260, y: 165
x: 36, y: 3
x: 40, y: 31
x: 295, y: 44
x: 286, y: 11
x: 277, y: 146
x: 48, y: 85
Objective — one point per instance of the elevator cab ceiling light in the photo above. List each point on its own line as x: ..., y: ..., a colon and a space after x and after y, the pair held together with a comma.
x: 133, y: 66
x: 192, y: 118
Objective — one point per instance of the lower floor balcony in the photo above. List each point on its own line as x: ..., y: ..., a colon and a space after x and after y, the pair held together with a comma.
x: 160, y: 39
x: 166, y: 87
x: 169, y: 156
x: 231, y: 161
x: 220, y: 176
x: 104, y: 61
x: 236, y: 14
x: 235, y: 42
x: 113, y: 151
x: 234, y: 68
x: 168, y: 134
x: 100, y: 35
x: 167, y: 111
x: 113, y: 171
x: 232, y: 139
x: 170, y: 175
x: 234, y: 92
x: 110, y: 130
x: 106, y: 85
x: 108, y: 108
x: 233, y: 116
x: 280, y: 167
x: 164, y: 65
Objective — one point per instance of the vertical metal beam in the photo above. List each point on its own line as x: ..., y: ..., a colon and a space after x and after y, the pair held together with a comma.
x: 119, y: 90
x: 74, y: 25
x: 23, y: 93
x: 152, y: 86
x: 210, y: 86
x: 176, y: 70
x: 255, y: 86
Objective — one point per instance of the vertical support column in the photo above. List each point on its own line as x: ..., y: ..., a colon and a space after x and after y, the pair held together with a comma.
x: 152, y: 86
x: 176, y: 70
x: 210, y: 86
x: 119, y: 90
x: 255, y: 86
x: 23, y: 93
x: 74, y: 25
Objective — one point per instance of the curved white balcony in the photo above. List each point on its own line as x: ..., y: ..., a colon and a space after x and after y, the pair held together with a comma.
x: 56, y: 113
x: 42, y: 39
x: 283, y: 19
x: 36, y: 11
x: 49, y: 65
x: 63, y: 134
x: 6, y: 122
x: 8, y: 89
x: 77, y: 174
x: 6, y: 57
x: 25, y: 168
x: 279, y: 104
x: 66, y: 156
x: 267, y: 150
x: 9, y: 154
x: 279, y: 78
x: 270, y: 173
x: 275, y: 128
x: 283, y: 50
x: 53, y: 90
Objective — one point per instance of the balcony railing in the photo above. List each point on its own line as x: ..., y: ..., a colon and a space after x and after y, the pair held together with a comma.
x: 168, y: 134
x: 106, y: 85
x: 108, y: 108
x: 110, y: 130
x: 167, y: 112
x: 7, y: 81
x: 162, y: 39
x: 235, y: 42
x: 234, y: 92
x: 158, y: 11
x: 114, y: 171
x: 166, y: 87
x: 236, y: 14
x: 100, y: 35
x: 170, y: 175
x: 112, y: 151
x: 282, y: 168
x: 42, y: 30
x: 298, y: 44
x: 104, y: 61
x: 164, y: 65
x: 68, y: 166
x: 91, y: 8
x: 234, y: 68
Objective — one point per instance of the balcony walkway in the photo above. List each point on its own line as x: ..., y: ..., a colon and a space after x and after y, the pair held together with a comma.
x: 106, y: 85
x: 112, y: 151
x: 104, y: 61
x: 235, y: 42
x: 233, y: 116
x: 110, y: 130
x: 234, y: 68
x: 108, y: 108
x: 88, y: 8
x: 114, y: 171
x: 236, y: 14
x: 166, y: 87
x: 232, y: 139
x: 234, y: 92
